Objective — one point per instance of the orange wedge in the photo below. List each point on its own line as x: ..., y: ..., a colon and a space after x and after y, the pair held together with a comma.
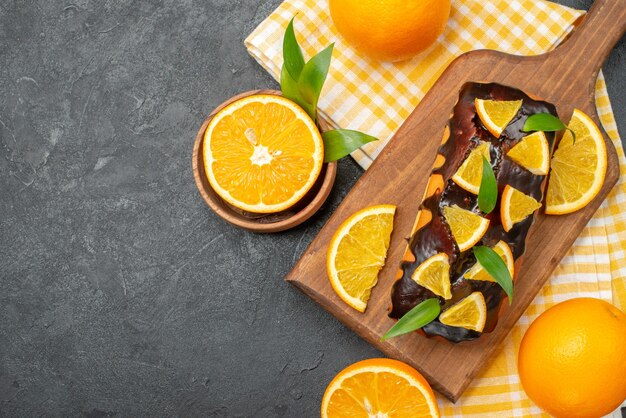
x: 434, y: 275
x: 578, y: 167
x: 262, y: 153
x: 477, y: 272
x: 470, y: 174
x: 532, y: 153
x: 469, y: 313
x: 496, y: 114
x: 357, y: 252
x: 515, y: 206
x: 466, y: 227
x: 378, y: 388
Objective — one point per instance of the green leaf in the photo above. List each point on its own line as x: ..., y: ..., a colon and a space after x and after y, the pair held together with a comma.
x: 302, y: 83
x: 340, y: 142
x: 416, y: 318
x: 293, y: 59
x: 545, y: 122
x: 493, y: 264
x: 290, y: 90
x: 313, y: 75
x: 488, y: 192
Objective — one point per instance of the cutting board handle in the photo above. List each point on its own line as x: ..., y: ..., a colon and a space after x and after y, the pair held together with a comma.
x: 590, y: 43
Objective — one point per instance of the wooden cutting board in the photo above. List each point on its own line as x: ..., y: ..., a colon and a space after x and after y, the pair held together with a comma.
x: 565, y: 77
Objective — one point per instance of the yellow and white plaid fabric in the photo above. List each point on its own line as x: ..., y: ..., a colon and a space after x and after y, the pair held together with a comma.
x: 376, y: 98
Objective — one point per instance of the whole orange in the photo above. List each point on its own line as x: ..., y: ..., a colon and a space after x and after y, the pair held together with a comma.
x: 572, y: 359
x: 390, y: 30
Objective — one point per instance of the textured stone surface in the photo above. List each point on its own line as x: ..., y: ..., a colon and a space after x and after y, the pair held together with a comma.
x: 121, y: 293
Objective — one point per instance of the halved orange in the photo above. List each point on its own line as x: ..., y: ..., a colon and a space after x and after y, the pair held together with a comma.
x: 466, y: 226
x: 357, y: 252
x: 578, y: 167
x: 434, y: 275
x: 262, y: 153
x: 515, y: 206
x: 470, y: 174
x: 496, y: 114
x: 378, y: 388
x: 469, y: 313
x: 478, y: 272
x: 532, y: 153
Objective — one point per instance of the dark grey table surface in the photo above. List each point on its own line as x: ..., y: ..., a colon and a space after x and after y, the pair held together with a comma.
x: 121, y: 293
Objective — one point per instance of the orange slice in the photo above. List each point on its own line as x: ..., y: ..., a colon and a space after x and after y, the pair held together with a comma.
x: 377, y: 388
x: 470, y: 313
x: 434, y: 275
x: 262, y: 153
x: 496, y: 114
x: 515, y: 206
x: 466, y: 227
x: 532, y: 153
x: 470, y: 174
x: 477, y: 272
x: 578, y: 167
x: 357, y: 252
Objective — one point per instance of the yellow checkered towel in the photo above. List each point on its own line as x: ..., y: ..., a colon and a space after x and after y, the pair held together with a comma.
x: 376, y: 97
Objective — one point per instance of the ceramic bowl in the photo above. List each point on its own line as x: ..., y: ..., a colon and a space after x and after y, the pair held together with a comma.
x: 261, y: 222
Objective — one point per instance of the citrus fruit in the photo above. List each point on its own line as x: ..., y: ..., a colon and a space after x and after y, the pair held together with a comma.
x: 470, y: 174
x: 578, y: 167
x: 357, y: 252
x: 377, y: 388
x: 390, y: 30
x: 496, y: 114
x: 434, y: 275
x: 515, y: 206
x: 467, y: 227
x: 532, y: 153
x: 477, y: 272
x: 262, y: 153
x: 470, y: 313
x: 572, y: 359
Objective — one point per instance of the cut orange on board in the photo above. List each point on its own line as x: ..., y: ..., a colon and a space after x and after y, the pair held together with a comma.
x: 478, y: 272
x: 469, y: 175
x: 434, y: 275
x: 357, y: 252
x: 377, y: 388
x: 532, y: 153
x: 470, y: 313
x: 496, y: 114
x: 262, y: 153
x: 467, y: 227
x: 578, y: 167
x: 515, y: 206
